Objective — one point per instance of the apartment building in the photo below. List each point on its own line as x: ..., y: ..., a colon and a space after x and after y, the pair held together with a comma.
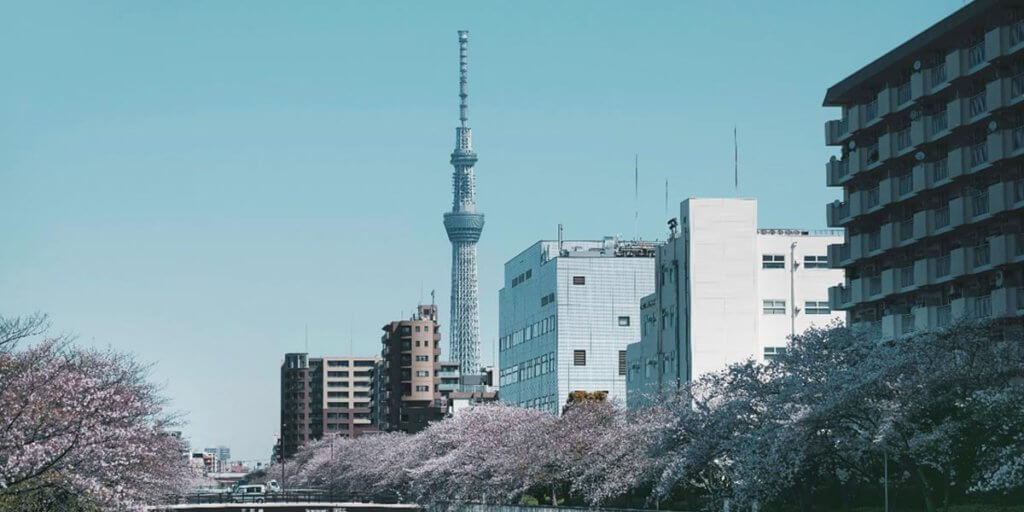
x: 726, y: 292
x: 566, y: 313
x: 931, y: 164
x: 408, y: 382
x: 323, y: 396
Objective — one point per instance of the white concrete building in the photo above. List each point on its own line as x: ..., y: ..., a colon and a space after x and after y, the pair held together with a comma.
x: 725, y: 292
x: 566, y: 313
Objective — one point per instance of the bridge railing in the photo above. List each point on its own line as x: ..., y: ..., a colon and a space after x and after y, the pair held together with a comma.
x: 287, y: 496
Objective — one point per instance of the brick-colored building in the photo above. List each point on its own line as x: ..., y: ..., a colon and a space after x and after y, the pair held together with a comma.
x: 406, y: 386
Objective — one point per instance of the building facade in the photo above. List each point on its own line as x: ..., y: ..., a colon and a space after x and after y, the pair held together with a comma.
x: 408, y: 382
x: 725, y: 292
x: 931, y: 166
x: 566, y: 313
x: 323, y: 396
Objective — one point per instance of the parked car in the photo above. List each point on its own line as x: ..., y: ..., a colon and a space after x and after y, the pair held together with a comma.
x: 272, y: 486
x: 249, y: 494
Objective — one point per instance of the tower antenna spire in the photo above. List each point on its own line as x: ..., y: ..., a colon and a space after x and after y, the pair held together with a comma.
x: 463, y: 77
x: 636, y: 196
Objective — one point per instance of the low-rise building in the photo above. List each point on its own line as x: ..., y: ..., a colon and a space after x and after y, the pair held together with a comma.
x: 727, y: 291
x: 566, y: 313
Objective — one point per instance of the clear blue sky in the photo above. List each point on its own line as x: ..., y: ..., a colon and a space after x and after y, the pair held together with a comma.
x: 195, y: 182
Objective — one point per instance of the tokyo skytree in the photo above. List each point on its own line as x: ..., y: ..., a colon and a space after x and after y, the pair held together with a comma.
x: 464, y: 226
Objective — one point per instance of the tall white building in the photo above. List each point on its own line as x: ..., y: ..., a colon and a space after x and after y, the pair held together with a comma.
x: 567, y: 311
x: 727, y: 291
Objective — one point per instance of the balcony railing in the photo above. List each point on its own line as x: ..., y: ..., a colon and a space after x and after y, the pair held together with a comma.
x: 872, y: 153
x: 983, y: 306
x: 1017, y: 85
x: 979, y: 153
x: 1018, y: 248
x: 1018, y: 190
x: 874, y: 285
x: 906, y: 229
x: 940, y: 169
x: 1017, y: 33
x: 905, y: 184
x: 976, y: 55
x: 871, y: 110
x: 982, y: 254
x: 942, y: 266
x: 1018, y: 136
x: 843, y: 167
x: 907, y: 276
x: 976, y: 104
x: 979, y: 203
x: 939, y: 74
x: 939, y: 121
x: 903, y: 138
x: 903, y: 93
x: 906, y: 323
x: 874, y: 240
x: 943, y: 315
x: 871, y: 198
x: 941, y: 217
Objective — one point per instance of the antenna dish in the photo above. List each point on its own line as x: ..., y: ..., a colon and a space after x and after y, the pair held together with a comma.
x: 919, y: 156
x: 852, y: 144
x: 917, y: 65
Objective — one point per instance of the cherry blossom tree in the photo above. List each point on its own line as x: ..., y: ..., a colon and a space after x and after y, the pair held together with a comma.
x: 80, y: 422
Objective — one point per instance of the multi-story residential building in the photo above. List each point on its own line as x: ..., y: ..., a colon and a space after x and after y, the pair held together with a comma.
x: 727, y: 291
x: 324, y: 395
x: 566, y: 313
x: 408, y: 384
x: 931, y: 165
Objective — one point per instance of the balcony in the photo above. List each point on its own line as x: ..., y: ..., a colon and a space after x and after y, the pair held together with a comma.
x: 838, y: 171
x: 941, y: 268
x: 871, y: 111
x: 836, y: 131
x: 958, y: 263
x: 977, y: 106
x: 938, y: 124
x: 981, y: 256
x: 940, y: 218
x: 976, y: 56
x: 901, y: 141
x: 839, y: 255
x: 837, y: 213
x: 904, y: 184
x: 943, y: 315
x: 937, y: 76
x: 938, y: 170
x: 978, y: 155
x: 1015, y: 35
x: 905, y: 230
x: 839, y: 298
x: 871, y: 198
x: 903, y: 94
x: 1007, y: 301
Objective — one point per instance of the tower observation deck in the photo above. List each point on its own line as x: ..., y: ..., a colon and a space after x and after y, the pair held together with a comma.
x: 464, y: 225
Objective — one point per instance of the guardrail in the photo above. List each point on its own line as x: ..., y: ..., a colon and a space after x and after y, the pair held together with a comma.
x: 287, y: 496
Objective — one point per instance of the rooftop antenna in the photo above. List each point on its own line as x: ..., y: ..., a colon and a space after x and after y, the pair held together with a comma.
x: 307, y: 338
x: 636, y: 195
x: 666, y: 197
x: 351, y: 341
x: 736, y: 161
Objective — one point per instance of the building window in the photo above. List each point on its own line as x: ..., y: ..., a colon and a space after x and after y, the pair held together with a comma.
x: 579, y: 357
x: 817, y: 307
x: 422, y: 388
x: 405, y: 329
x: 579, y: 280
x: 773, y: 261
x: 622, y: 362
x: 815, y: 261
x: 623, y: 321
x: 772, y: 353
x: 422, y: 373
x: 422, y: 359
x: 774, y: 307
x: 337, y: 363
